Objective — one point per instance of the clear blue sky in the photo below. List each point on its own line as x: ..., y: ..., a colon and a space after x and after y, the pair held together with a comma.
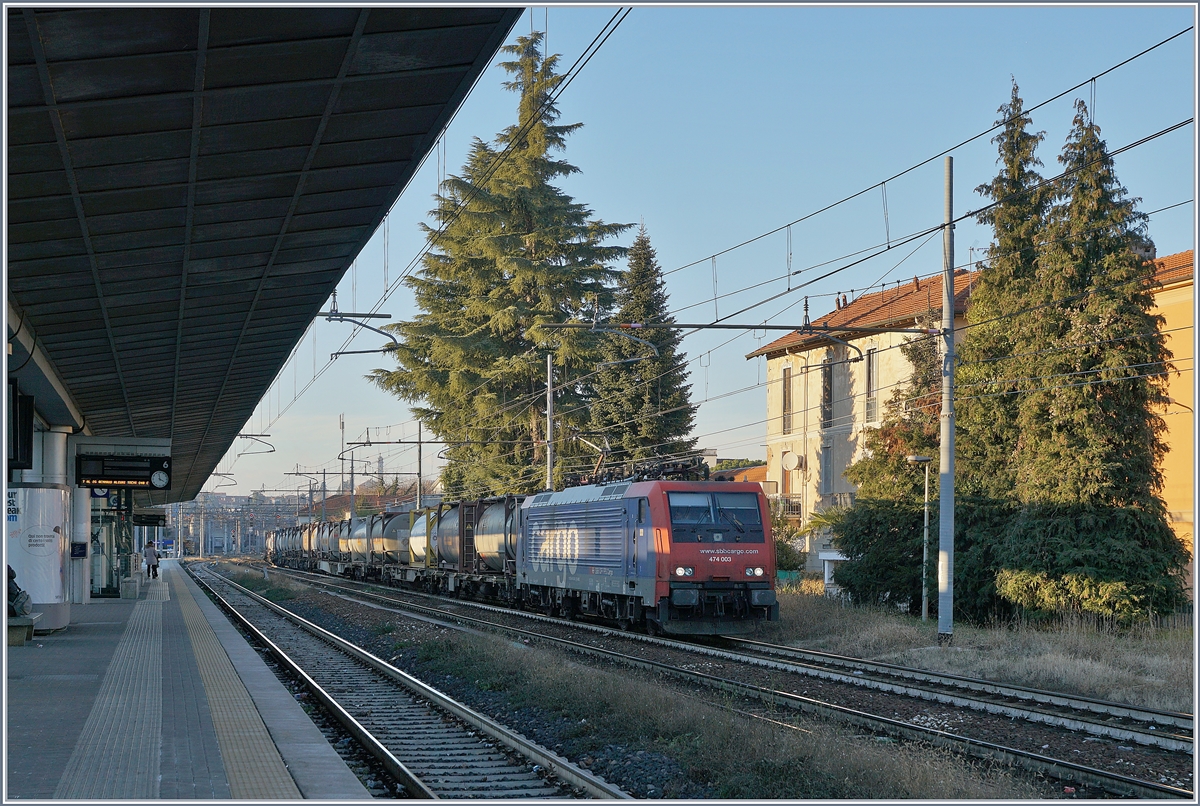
x: 716, y: 125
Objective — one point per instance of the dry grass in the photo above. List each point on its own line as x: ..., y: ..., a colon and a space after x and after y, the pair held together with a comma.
x: 1147, y: 665
x: 275, y: 588
x: 742, y: 757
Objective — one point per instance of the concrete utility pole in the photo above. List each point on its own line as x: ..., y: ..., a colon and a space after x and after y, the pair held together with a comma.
x: 549, y: 421
x: 946, y: 468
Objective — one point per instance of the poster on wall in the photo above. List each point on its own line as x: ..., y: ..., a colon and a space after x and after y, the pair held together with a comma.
x: 38, y: 541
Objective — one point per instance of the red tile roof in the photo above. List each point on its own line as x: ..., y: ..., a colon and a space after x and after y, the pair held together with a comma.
x: 892, y: 307
x: 896, y: 307
x: 756, y: 473
x: 1172, y: 269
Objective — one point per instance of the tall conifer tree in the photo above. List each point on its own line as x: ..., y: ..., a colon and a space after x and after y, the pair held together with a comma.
x: 513, y: 252
x: 643, y: 403
x: 1009, y: 281
x: 1091, y: 431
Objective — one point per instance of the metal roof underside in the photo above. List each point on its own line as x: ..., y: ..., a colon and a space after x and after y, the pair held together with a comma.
x: 186, y: 186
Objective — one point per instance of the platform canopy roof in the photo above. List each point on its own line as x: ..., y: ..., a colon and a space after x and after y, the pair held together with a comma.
x: 186, y: 186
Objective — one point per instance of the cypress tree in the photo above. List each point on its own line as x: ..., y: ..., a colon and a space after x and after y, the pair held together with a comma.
x: 514, y: 251
x: 642, y: 403
x: 1009, y: 281
x: 1091, y: 429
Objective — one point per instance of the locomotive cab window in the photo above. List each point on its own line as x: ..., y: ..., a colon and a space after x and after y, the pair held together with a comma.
x: 690, y: 509
x: 741, y: 507
x: 715, y: 517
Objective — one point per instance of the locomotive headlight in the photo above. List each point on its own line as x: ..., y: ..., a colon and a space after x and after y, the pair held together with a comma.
x: 758, y: 572
x: 749, y: 572
x: 681, y: 571
x: 754, y: 572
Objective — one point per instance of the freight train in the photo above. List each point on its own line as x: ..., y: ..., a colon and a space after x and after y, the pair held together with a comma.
x: 674, y: 557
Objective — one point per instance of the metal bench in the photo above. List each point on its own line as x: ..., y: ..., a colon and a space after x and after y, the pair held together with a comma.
x: 20, y: 628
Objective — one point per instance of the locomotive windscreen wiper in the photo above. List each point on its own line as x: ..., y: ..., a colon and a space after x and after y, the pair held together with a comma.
x: 730, y: 518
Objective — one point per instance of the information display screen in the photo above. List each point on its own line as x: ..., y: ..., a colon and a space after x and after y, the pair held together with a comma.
x: 144, y: 472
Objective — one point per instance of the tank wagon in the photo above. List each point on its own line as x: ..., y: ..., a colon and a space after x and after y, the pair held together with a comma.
x: 676, y: 557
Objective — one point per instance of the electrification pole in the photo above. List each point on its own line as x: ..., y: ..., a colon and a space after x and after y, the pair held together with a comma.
x: 420, y: 480
x: 549, y: 421
x: 946, y: 468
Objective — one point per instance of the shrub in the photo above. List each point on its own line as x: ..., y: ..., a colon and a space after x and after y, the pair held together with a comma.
x: 787, y: 556
x: 1033, y: 559
x: 881, y: 541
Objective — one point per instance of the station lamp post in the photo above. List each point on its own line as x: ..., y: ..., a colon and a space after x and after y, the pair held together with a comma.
x: 924, y: 462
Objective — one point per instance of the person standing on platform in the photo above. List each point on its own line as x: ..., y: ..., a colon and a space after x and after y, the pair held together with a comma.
x: 151, y: 560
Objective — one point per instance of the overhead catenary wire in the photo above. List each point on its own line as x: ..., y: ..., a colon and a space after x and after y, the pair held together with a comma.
x: 940, y: 154
x: 283, y: 409
x: 929, y: 231
x: 584, y: 58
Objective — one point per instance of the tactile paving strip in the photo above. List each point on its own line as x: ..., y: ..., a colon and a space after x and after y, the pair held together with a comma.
x: 158, y: 590
x: 117, y: 754
x: 252, y: 763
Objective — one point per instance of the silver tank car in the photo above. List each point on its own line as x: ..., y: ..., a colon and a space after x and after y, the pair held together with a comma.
x: 418, y: 538
x: 447, y: 538
x: 375, y: 553
x: 496, y: 534
x: 393, y: 543
x: 359, y: 547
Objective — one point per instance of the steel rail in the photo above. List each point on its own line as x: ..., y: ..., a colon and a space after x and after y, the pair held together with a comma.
x: 1156, y: 716
x: 413, y: 785
x: 1111, y: 782
x: 552, y: 762
x: 1164, y: 741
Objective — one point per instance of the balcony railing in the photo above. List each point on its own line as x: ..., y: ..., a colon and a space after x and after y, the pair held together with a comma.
x: 788, y: 504
x: 794, y: 504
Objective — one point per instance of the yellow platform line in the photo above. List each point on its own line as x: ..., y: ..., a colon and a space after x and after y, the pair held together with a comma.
x: 252, y: 763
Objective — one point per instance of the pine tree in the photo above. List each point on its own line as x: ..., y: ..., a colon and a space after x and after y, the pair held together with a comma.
x: 1091, y: 429
x: 513, y: 252
x: 1010, y: 280
x: 642, y: 403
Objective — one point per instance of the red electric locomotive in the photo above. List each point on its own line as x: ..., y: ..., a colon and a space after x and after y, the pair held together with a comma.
x: 684, y: 557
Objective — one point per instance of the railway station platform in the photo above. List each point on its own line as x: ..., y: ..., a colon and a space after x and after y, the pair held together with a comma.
x: 159, y: 697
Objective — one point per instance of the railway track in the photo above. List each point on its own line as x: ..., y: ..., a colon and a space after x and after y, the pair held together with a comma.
x: 1168, y: 730
x: 432, y: 745
x: 1010, y: 702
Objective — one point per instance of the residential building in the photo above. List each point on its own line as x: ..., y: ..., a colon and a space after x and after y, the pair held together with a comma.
x: 1174, y: 301
x: 818, y: 402
x: 822, y: 392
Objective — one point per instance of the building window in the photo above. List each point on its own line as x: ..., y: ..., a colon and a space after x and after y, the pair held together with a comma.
x: 787, y: 400
x: 827, y: 392
x: 826, y: 469
x: 872, y: 413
